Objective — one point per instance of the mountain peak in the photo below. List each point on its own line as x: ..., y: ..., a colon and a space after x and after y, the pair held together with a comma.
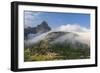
x: 43, y: 27
x: 39, y: 29
x: 44, y: 23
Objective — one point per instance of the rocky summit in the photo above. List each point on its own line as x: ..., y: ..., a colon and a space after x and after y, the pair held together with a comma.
x: 39, y: 29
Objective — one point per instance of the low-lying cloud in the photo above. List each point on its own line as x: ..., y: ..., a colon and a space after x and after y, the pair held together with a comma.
x: 82, y: 32
x: 72, y: 28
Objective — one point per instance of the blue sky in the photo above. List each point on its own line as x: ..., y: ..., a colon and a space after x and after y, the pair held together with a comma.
x: 55, y: 19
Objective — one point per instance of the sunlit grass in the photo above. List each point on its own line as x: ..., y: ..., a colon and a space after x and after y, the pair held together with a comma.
x: 46, y: 52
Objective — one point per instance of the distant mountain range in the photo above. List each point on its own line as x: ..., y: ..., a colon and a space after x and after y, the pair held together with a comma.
x: 39, y: 29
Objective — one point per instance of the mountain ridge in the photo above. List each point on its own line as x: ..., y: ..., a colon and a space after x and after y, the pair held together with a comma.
x: 39, y: 29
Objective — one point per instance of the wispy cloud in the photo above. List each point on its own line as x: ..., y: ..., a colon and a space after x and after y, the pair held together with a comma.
x: 72, y: 28
x: 30, y: 18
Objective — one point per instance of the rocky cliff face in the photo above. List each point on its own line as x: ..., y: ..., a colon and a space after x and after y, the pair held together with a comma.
x: 39, y: 29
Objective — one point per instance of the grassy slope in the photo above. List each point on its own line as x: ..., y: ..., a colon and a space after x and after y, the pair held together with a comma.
x: 44, y: 51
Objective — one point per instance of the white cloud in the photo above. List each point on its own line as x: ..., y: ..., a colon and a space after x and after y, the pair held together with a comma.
x: 83, y: 37
x: 30, y: 18
x: 72, y: 28
x: 82, y: 32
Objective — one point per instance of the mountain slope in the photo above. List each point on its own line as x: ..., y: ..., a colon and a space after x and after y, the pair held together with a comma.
x: 58, y: 45
x: 60, y: 37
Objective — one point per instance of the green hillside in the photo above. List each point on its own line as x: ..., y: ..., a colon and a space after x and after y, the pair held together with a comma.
x: 44, y: 51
